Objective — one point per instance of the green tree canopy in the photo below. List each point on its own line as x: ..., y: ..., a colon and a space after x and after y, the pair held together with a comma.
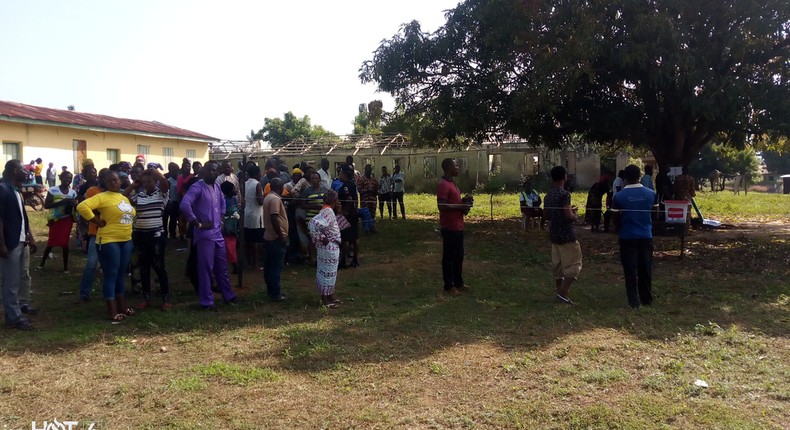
x: 279, y: 131
x: 726, y: 159
x: 669, y: 75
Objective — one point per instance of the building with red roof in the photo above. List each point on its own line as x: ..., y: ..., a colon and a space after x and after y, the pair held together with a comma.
x: 67, y: 138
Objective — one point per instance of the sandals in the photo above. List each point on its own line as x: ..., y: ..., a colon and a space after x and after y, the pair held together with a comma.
x: 117, y: 318
x: 331, y: 305
x: 129, y: 312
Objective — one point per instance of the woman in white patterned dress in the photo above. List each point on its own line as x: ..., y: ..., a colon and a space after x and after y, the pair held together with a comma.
x: 325, y: 234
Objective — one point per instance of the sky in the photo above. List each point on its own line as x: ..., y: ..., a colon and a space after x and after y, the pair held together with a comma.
x: 214, y: 67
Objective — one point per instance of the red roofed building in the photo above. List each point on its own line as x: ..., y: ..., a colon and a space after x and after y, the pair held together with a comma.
x: 67, y: 138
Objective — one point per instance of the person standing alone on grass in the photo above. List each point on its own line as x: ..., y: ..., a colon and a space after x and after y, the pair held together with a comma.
x: 452, y: 209
x: 633, y: 218
x: 566, y: 253
x: 15, y: 235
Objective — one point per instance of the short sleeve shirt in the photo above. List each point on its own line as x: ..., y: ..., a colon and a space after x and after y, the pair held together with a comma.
x: 561, y: 230
x: 450, y: 219
x: 273, y: 204
x: 636, y: 202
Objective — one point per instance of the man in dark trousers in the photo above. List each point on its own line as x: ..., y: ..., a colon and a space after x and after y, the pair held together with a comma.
x: 633, y: 217
x: 14, y: 237
x: 452, y: 209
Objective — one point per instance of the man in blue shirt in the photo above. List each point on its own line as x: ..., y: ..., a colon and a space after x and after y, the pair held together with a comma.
x: 647, y: 179
x: 633, y: 207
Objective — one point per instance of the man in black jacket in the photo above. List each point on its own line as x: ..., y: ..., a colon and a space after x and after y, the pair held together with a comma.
x: 14, y: 237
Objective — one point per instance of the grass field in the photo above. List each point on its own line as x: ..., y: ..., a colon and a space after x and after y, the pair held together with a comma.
x: 399, y: 354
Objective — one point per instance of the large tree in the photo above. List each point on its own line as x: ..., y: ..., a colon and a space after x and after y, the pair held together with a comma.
x: 670, y: 75
x: 279, y: 131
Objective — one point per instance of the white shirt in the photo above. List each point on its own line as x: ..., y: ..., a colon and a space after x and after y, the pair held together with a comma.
x: 253, y: 212
x: 618, y: 182
x: 398, y: 187
x: 22, y: 237
x: 326, y: 180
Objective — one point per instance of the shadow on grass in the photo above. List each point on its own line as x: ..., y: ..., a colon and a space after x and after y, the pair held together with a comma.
x: 394, y: 309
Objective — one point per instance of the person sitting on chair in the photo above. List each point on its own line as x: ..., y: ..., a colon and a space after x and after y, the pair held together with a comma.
x: 530, y: 206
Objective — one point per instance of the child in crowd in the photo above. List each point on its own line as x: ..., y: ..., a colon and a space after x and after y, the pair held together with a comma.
x: 230, y: 223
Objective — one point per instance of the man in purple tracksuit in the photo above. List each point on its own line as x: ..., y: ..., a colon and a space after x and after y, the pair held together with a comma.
x: 203, y: 206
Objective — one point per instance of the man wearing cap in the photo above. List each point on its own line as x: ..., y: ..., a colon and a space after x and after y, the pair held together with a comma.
x: 140, y: 159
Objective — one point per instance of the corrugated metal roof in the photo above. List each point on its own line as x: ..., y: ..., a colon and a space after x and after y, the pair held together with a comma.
x: 21, y: 112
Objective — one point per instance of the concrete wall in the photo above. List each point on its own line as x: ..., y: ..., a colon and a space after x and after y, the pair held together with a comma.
x: 423, y: 166
x: 57, y: 145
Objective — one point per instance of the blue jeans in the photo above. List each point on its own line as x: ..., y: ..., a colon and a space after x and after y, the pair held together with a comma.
x: 273, y: 263
x: 89, y: 272
x: 114, y: 258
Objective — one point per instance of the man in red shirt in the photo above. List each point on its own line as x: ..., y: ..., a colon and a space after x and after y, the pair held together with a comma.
x: 452, y: 209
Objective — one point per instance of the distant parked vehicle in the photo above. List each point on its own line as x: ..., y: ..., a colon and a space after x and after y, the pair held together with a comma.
x: 33, y: 195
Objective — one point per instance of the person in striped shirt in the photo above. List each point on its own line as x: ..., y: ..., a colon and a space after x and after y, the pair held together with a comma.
x: 149, y: 195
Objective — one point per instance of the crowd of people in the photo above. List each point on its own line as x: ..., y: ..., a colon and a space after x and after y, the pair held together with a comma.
x: 125, y: 216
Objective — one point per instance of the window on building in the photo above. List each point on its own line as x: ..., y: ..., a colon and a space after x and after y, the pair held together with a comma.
x: 397, y: 162
x: 429, y: 167
x: 143, y: 150
x: 113, y: 156
x: 11, y: 151
x: 531, y: 165
x: 495, y: 163
x: 191, y: 154
x: 167, y: 155
x: 371, y: 161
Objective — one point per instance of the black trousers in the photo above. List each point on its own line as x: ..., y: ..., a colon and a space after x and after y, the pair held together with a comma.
x: 151, y: 254
x: 452, y: 258
x: 397, y: 198
x: 637, y: 258
x: 170, y: 219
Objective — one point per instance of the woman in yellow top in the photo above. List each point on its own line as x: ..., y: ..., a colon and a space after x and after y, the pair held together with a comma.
x: 113, y: 241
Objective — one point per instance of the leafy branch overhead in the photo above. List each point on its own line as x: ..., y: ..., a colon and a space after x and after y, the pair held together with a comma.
x: 669, y: 75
